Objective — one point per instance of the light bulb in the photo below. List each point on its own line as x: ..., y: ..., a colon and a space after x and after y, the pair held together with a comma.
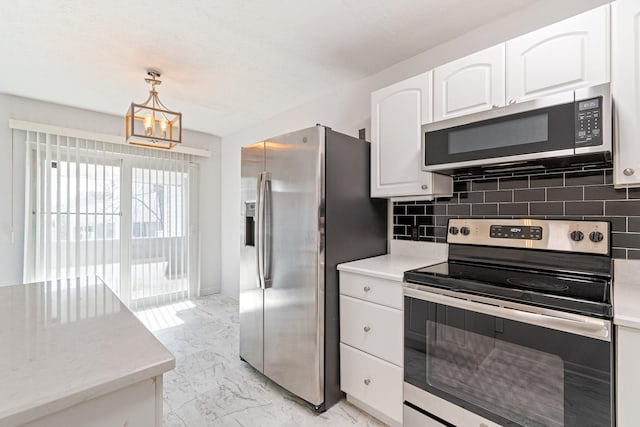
x: 163, y: 128
x: 148, y: 125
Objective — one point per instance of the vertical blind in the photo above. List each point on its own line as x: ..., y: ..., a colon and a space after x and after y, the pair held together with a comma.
x: 119, y: 212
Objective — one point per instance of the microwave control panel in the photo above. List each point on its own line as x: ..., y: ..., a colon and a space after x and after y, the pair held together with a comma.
x: 589, y: 122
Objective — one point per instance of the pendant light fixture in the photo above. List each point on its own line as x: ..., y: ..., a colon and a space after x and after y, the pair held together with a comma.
x: 151, y: 124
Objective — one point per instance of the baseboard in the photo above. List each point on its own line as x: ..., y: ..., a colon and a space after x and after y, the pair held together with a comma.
x: 373, y: 412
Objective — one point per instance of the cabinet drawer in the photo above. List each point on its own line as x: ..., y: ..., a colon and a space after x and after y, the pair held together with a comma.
x: 372, y: 328
x: 373, y: 381
x: 373, y: 289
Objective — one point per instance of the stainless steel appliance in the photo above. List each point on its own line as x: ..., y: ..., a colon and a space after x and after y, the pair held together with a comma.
x: 514, y: 329
x: 306, y: 208
x: 558, y: 130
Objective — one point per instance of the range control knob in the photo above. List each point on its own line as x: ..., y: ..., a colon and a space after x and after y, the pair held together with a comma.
x: 577, y: 235
x: 596, y: 236
x: 465, y: 231
x: 453, y: 230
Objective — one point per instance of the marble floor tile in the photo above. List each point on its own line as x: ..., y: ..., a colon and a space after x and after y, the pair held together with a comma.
x: 211, y: 386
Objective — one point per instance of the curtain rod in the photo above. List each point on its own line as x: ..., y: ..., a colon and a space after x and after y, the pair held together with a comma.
x: 94, y: 136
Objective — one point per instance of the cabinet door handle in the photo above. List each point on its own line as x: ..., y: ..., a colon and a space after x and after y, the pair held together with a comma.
x: 512, y: 101
x: 628, y: 172
x: 367, y: 381
x: 367, y: 288
x: 494, y: 106
x: 367, y: 328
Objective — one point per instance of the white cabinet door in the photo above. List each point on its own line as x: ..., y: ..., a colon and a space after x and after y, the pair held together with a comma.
x: 625, y: 90
x: 371, y: 380
x: 470, y: 84
x: 372, y: 328
x: 564, y: 56
x: 628, y: 374
x: 372, y: 289
x: 397, y: 113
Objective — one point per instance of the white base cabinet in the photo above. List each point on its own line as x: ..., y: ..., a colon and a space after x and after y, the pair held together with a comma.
x: 570, y: 54
x: 137, y: 405
x: 627, y: 376
x: 397, y: 114
x: 625, y: 89
x: 371, y: 347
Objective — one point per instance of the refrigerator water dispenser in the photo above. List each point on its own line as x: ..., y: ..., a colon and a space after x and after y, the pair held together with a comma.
x: 249, y: 223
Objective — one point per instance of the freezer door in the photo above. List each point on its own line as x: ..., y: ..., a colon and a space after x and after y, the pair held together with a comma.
x: 294, y: 299
x: 251, y: 292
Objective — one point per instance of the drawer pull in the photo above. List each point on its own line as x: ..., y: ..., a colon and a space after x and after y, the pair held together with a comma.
x: 367, y: 288
x: 367, y: 381
x: 367, y: 328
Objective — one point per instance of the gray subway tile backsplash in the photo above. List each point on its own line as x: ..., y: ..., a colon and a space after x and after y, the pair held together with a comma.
x: 622, y: 207
x: 484, y: 184
x: 533, y: 195
x: 565, y: 193
x: 584, y: 208
x: 604, y: 192
x: 517, y: 209
x: 633, y: 224
x: 498, y: 196
x: 557, y: 194
x: 631, y: 254
x: 513, y: 183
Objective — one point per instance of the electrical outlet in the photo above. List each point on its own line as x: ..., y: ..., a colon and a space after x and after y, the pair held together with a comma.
x: 414, y: 232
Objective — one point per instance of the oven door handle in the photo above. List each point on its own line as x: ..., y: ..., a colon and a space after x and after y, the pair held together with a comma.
x: 567, y: 322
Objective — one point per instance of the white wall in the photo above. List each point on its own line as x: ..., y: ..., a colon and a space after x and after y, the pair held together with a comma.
x: 11, y: 253
x: 348, y: 109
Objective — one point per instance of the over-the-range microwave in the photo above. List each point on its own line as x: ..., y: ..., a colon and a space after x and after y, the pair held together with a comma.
x: 557, y: 130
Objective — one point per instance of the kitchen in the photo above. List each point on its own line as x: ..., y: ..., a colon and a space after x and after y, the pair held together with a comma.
x: 583, y: 193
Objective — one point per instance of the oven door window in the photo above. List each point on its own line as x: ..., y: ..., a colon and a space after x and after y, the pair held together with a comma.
x: 510, y: 372
x: 530, y: 132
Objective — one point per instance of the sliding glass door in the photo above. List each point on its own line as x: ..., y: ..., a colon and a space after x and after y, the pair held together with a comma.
x: 120, y: 213
x: 159, y: 234
x: 80, y: 226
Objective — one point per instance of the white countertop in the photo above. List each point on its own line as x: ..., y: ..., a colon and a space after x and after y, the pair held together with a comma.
x: 404, y: 256
x: 626, y: 293
x: 62, y: 343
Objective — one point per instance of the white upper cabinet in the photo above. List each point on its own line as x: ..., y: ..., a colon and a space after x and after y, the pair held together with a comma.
x: 397, y: 113
x: 564, y: 56
x: 625, y: 90
x: 470, y: 84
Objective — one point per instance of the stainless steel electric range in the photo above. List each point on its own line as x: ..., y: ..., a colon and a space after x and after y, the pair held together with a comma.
x: 514, y: 329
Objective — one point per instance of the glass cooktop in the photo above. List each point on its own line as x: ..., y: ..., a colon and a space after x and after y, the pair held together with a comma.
x: 584, y: 294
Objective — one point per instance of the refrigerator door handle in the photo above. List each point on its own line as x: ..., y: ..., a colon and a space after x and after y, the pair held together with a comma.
x: 267, y: 234
x: 260, y: 231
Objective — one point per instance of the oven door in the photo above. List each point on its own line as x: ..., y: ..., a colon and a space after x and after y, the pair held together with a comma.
x: 507, y: 365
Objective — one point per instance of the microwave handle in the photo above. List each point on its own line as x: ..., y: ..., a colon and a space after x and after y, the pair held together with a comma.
x: 567, y: 322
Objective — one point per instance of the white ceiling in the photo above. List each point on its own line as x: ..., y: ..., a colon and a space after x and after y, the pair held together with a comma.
x: 227, y: 64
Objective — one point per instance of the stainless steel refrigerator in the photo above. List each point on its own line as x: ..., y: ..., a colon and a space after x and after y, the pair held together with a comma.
x: 305, y: 209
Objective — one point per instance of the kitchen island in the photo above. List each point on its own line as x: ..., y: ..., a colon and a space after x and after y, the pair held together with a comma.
x: 71, y: 353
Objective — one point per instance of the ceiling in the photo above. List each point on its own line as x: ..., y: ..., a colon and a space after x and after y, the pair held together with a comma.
x: 227, y: 64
